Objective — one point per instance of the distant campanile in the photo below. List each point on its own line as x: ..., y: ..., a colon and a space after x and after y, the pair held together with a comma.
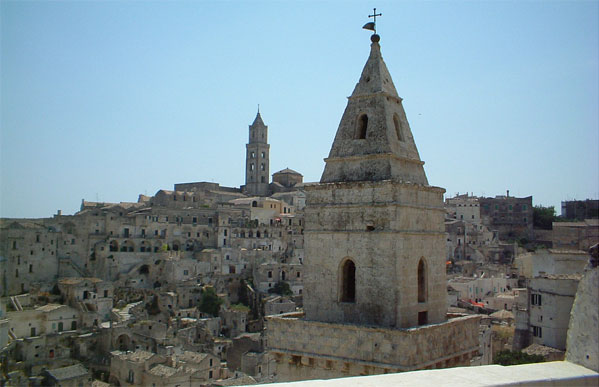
x: 256, y: 159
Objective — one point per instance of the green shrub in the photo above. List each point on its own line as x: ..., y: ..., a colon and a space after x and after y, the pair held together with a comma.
x: 508, y: 357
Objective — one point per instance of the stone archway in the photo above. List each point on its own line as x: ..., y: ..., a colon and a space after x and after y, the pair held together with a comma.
x: 123, y: 342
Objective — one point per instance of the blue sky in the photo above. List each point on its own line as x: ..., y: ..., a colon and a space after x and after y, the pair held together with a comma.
x: 109, y: 100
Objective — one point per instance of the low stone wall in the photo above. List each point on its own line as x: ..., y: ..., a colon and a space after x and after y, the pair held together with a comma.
x: 344, y: 349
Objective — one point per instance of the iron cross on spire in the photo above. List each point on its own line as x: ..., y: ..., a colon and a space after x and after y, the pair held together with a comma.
x: 372, y: 25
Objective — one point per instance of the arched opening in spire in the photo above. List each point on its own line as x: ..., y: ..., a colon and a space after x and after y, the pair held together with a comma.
x: 348, y: 281
x: 398, y: 129
x: 422, y: 281
x: 361, y: 127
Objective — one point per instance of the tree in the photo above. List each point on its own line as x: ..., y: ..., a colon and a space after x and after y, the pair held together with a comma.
x: 543, y: 217
x: 508, y: 357
x: 282, y: 288
x: 210, y: 302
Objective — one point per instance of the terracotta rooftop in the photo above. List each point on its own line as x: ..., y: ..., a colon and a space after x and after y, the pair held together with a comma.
x: 163, y: 370
x: 192, y: 357
x: 538, y: 349
x: 287, y: 170
x: 77, y: 280
x: 49, y: 307
x: 137, y: 356
x: 577, y: 276
x: 70, y: 372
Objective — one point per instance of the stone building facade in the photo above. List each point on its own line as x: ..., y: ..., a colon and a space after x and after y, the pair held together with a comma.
x: 463, y: 207
x: 580, y: 209
x: 509, y: 215
x: 542, y: 317
x: 375, y: 283
x: 575, y: 235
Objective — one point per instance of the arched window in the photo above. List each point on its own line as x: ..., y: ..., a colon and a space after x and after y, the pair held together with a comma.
x: 348, y: 281
x: 254, y: 204
x: 361, y: 127
x: 421, y: 281
x: 398, y: 130
x: 189, y: 245
x: 114, y: 246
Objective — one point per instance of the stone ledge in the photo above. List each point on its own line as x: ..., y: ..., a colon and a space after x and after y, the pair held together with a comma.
x: 366, y: 183
x: 560, y: 373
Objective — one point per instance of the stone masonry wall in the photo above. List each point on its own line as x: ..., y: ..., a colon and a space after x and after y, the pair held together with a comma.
x: 385, y: 228
x: 392, y: 349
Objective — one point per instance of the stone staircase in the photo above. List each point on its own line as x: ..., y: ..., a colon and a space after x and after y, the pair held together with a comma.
x: 123, y: 315
x: 83, y: 307
x: 68, y: 261
x: 12, y: 335
x: 16, y: 303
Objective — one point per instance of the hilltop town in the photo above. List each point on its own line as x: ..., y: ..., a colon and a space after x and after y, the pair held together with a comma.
x: 368, y: 271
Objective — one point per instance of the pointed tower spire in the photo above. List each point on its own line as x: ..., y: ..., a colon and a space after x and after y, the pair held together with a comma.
x: 258, y: 120
x: 374, y: 141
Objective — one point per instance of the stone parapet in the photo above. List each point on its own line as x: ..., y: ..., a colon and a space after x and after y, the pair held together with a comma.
x: 440, y: 345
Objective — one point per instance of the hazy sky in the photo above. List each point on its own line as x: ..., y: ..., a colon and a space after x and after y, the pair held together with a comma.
x: 108, y: 100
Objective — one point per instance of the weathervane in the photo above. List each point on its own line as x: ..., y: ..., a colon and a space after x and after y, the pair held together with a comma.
x: 372, y: 25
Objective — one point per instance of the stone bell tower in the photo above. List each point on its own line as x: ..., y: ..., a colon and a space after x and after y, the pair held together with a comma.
x: 257, y: 159
x: 374, y: 254
x: 375, y: 237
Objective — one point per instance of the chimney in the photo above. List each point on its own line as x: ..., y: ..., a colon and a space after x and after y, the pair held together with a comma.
x: 508, y: 193
x: 59, y: 212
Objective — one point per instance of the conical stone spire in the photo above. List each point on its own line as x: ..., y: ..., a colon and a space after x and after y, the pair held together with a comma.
x: 258, y: 120
x: 374, y: 141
